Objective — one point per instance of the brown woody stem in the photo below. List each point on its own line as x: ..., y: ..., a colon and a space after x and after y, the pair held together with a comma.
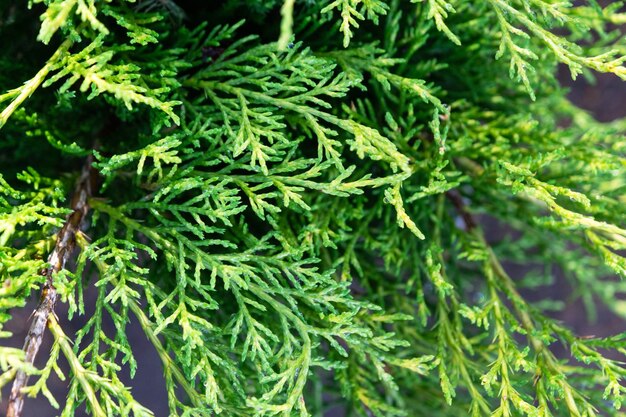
x: 457, y: 200
x: 63, y: 249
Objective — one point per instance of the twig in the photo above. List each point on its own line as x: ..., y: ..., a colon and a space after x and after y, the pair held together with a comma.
x: 66, y: 239
x: 507, y: 282
x: 29, y: 87
x: 457, y: 200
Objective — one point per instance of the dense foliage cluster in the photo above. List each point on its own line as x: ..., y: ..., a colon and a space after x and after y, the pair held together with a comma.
x: 292, y: 199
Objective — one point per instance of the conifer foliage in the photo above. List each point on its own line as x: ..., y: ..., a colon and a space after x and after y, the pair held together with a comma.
x: 289, y: 198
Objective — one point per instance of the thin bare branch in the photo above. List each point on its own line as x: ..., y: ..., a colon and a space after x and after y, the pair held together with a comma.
x: 457, y: 200
x: 63, y: 249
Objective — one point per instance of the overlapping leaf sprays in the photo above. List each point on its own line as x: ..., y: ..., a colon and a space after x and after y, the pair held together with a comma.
x: 293, y: 212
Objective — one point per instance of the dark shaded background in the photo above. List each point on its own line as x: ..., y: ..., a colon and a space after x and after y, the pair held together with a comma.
x: 606, y: 100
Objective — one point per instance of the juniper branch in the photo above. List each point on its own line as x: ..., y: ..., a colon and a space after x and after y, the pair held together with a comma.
x: 29, y: 87
x: 261, y: 243
x: 522, y: 309
x: 64, y: 247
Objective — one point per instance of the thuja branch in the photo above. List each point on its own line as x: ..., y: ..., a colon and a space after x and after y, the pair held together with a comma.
x: 169, y: 365
x: 20, y: 94
x: 499, y: 280
x: 77, y: 369
x: 493, y: 264
x: 63, y: 249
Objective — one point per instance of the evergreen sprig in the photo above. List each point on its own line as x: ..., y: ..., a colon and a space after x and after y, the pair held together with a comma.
x: 293, y: 204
